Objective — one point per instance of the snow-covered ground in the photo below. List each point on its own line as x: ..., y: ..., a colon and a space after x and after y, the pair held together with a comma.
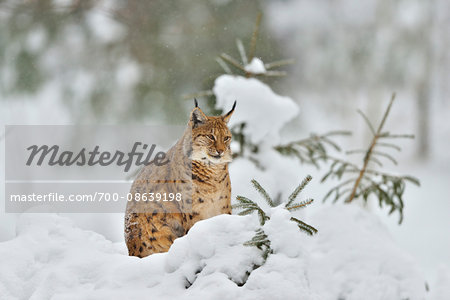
x: 352, y: 257
x: 425, y: 232
x: 359, y: 253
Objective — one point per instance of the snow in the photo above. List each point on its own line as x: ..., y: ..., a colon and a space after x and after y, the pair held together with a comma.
x: 287, y: 241
x: 442, y: 284
x: 256, y: 66
x: 242, y: 171
x: 357, y: 254
x: 352, y: 257
x: 379, y: 263
x: 62, y: 261
x: 425, y: 230
x: 255, y: 102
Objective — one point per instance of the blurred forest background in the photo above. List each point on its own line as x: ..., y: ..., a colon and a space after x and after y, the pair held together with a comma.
x: 119, y: 61
x: 140, y: 62
x: 134, y: 61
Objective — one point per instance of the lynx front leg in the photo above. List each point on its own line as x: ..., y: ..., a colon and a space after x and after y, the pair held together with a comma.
x: 153, y: 233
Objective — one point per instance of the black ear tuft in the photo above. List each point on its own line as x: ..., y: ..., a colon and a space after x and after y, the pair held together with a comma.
x: 234, y: 106
x: 227, y: 117
x: 196, y: 103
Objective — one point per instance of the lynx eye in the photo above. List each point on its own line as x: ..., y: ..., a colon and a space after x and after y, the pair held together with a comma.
x: 211, y: 137
x: 226, y: 139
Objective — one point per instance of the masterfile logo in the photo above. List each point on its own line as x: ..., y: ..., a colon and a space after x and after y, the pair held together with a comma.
x: 82, y: 168
x: 53, y: 156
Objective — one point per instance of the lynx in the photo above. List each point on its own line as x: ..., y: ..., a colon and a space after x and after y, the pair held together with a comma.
x: 197, y: 173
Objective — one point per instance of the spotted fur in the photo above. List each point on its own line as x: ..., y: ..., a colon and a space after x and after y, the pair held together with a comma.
x: 198, y: 169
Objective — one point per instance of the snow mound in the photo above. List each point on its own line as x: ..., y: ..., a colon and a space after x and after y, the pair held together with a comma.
x: 256, y: 66
x: 441, y: 288
x: 242, y: 171
x: 52, y: 259
x: 255, y: 102
x: 352, y: 257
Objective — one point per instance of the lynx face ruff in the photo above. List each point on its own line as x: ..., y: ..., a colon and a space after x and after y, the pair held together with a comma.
x: 201, y: 155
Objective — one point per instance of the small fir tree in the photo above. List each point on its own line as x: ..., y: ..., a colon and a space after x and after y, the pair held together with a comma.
x: 248, y: 206
x: 356, y: 181
x: 365, y: 180
x: 310, y: 150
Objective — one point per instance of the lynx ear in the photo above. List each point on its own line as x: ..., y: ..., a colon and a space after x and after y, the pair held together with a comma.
x: 197, y: 117
x: 227, y: 117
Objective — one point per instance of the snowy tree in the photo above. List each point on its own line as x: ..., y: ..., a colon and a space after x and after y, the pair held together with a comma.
x: 258, y: 140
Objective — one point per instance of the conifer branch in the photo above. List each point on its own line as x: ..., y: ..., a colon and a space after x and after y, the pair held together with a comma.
x: 387, y: 188
x: 373, y: 159
x: 198, y: 94
x: 298, y: 190
x: 273, y: 74
x: 374, y: 152
x: 225, y: 59
x: 304, y: 227
x: 248, y: 206
x: 261, y: 241
x: 232, y: 61
x: 300, y: 205
x: 387, y: 135
x: 369, y: 151
x: 366, y: 119
x: 313, y: 149
x: 389, y: 145
x: 224, y: 66
x: 254, y: 37
x: 278, y: 63
x: 263, y: 192
x: 241, y: 50
x: 355, y: 151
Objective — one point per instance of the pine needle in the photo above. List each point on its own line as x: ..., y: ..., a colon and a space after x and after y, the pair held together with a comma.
x: 298, y: 190
x: 263, y: 193
x: 300, y: 205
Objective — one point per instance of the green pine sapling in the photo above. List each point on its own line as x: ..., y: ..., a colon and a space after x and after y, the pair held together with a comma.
x: 356, y: 181
x: 313, y: 149
x: 365, y: 181
x: 248, y: 206
x: 308, y: 150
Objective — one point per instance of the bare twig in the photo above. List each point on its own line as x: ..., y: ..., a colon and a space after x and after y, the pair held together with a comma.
x: 279, y: 63
x: 224, y: 66
x: 254, y: 37
x: 369, y: 153
x: 198, y: 94
x: 241, y: 50
x: 232, y: 61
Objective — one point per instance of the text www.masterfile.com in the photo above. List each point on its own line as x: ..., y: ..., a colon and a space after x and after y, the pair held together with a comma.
x: 94, y: 197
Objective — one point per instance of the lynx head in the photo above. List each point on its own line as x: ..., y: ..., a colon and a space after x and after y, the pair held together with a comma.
x: 211, y: 137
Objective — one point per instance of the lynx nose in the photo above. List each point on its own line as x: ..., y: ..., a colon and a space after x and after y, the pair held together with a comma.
x: 219, y: 152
